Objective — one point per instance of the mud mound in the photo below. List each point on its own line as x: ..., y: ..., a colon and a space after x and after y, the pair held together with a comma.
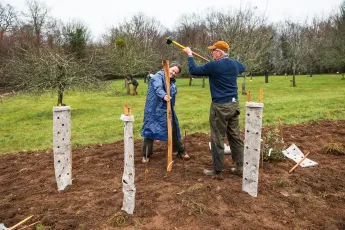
x: 309, y: 198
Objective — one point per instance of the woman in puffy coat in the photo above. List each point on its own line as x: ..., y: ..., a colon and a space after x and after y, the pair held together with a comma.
x: 155, y: 114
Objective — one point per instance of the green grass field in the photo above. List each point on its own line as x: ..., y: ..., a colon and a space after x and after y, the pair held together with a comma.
x: 26, y: 120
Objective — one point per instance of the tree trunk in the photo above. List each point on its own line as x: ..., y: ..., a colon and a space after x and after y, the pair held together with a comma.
x: 244, y: 86
x: 38, y: 41
x: 266, y: 77
x: 294, y: 78
x: 2, y: 35
x: 190, y: 80
x: 61, y: 87
x: 127, y: 86
x: 60, y: 95
x: 203, y: 82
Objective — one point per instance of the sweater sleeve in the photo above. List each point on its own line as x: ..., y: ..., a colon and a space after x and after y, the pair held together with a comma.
x: 202, y: 70
x: 241, y: 67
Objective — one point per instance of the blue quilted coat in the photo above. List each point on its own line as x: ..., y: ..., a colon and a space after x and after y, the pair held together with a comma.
x: 155, y: 114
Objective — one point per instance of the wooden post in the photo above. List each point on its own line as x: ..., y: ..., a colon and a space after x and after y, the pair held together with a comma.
x: 280, y: 127
x: 128, y: 186
x: 260, y: 96
x: 167, y: 82
x: 248, y: 96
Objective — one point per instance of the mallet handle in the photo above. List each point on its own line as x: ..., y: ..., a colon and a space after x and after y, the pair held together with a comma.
x: 195, y: 54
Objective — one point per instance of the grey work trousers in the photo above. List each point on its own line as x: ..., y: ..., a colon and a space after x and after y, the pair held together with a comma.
x: 224, y: 121
x: 147, y: 147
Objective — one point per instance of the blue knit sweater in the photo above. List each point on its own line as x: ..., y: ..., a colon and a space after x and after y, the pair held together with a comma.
x: 222, y: 75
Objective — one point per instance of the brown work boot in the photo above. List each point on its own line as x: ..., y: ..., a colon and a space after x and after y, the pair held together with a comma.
x: 238, y: 171
x: 145, y: 160
x: 213, y: 174
x: 184, y: 156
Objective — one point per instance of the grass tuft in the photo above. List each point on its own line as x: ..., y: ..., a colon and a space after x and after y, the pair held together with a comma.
x: 118, y: 219
x: 334, y: 148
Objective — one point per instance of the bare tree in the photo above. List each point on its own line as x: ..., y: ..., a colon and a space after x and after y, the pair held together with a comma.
x: 54, y: 33
x: 37, y: 73
x: 132, y: 45
x: 249, y: 37
x: 338, y: 45
x: 192, y: 32
x: 312, y: 37
x: 37, y: 18
x: 291, y: 49
x: 8, y: 17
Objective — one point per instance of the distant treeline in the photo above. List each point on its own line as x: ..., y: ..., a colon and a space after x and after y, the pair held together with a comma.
x: 39, y: 52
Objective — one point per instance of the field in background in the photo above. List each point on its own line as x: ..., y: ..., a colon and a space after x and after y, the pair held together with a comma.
x: 26, y: 120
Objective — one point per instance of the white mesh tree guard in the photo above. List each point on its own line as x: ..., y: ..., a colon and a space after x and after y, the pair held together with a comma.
x: 62, y: 146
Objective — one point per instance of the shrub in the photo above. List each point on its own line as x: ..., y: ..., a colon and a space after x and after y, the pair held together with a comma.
x: 273, y: 145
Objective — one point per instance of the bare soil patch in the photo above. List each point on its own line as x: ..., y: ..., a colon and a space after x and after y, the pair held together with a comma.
x: 309, y: 198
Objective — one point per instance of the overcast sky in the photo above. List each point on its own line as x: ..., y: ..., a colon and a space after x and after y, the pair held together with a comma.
x: 99, y: 15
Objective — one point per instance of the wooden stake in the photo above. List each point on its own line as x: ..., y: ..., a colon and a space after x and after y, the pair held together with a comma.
x: 280, y: 127
x: 145, y: 173
x: 262, y: 153
x: 20, y: 223
x: 125, y: 110
x: 260, y: 96
x: 30, y: 225
x: 305, y: 156
x: 248, y: 96
x: 167, y: 87
x: 184, y: 145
